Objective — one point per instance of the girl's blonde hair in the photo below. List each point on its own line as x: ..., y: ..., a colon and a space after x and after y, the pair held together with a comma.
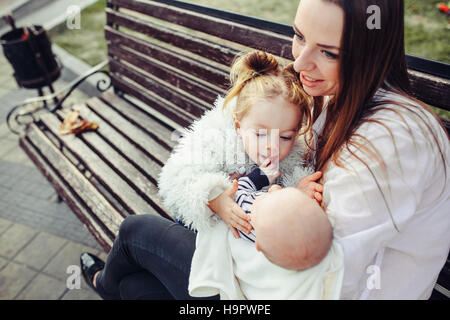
x: 258, y: 75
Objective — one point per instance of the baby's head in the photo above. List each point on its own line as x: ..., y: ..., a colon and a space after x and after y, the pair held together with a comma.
x: 291, y: 229
x: 270, y: 106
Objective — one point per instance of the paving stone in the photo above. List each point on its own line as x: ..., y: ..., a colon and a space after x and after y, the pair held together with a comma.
x: 69, y: 255
x: 81, y: 294
x: 7, y: 146
x: 103, y: 255
x: 43, y: 287
x: 14, y: 239
x: 3, y: 262
x: 10, y: 85
x: 4, y: 131
x: 40, y: 251
x: 4, y: 225
x: 13, y: 278
x: 17, y: 155
x: 3, y: 91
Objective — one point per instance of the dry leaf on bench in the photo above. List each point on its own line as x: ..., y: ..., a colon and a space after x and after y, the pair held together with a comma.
x: 72, y: 124
x: 69, y: 122
x: 84, y: 126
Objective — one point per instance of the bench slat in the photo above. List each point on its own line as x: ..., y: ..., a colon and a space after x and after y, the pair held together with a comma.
x: 211, y: 74
x: 274, y: 43
x: 157, y: 131
x: 205, y: 48
x: 110, y: 179
x: 145, y: 188
x: 166, y: 108
x: 118, y: 139
x: 81, y: 196
x: 205, y: 95
x: 118, y: 130
x: 430, y: 89
x: 196, y: 108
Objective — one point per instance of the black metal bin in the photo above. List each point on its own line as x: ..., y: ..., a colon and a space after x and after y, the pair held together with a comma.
x: 29, y: 52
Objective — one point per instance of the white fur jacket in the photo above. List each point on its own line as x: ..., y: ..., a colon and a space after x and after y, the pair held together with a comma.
x: 199, y: 167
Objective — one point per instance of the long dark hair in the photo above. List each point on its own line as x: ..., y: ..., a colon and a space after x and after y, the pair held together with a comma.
x: 371, y: 59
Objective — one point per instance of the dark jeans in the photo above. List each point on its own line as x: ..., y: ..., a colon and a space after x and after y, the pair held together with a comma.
x: 150, y: 259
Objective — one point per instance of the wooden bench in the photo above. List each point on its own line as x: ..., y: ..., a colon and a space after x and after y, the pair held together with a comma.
x: 168, y: 61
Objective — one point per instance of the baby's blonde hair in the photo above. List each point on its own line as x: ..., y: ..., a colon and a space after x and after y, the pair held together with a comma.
x: 258, y: 75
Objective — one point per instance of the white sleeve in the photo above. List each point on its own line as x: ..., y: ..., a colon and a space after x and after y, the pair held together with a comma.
x: 194, y: 173
x: 369, y: 215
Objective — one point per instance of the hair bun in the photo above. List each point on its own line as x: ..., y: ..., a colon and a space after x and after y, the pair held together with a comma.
x: 261, y: 62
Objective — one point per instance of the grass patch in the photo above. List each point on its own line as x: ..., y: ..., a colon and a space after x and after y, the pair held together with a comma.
x: 87, y: 43
x: 427, y: 31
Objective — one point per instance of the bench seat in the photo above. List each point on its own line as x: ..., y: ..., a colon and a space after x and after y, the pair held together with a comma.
x: 107, y: 174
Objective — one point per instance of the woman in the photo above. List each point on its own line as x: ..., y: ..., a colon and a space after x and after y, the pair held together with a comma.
x: 383, y: 155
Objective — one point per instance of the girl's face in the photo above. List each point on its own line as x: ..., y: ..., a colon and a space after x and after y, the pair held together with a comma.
x: 269, y: 128
x: 318, y: 28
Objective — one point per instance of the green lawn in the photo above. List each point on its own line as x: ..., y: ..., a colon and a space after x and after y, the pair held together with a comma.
x: 88, y: 43
x: 427, y: 31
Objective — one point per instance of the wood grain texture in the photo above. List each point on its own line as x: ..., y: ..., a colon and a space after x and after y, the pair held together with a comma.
x: 102, y: 171
x: 430, y: 89
x: 157, y: 130
x: 179, y: 79
x: 203, y: 47
x: 253, y: 37
x: 102, y: 219
x: 217, y: 77
x: 162, y: 91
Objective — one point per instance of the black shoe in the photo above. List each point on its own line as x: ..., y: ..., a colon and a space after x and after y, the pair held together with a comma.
x: 90, y: 264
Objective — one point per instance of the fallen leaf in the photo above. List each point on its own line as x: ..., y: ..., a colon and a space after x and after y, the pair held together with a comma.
x: 69, y: 122
x: 84, y: 126
x: 72, y: 124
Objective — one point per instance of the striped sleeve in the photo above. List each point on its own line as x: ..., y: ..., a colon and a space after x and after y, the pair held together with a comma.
x: 249, y: 188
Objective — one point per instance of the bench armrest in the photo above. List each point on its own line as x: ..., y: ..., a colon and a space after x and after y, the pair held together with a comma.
x: 32, y: 105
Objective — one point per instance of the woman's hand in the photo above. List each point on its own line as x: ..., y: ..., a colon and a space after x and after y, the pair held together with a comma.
x: 230, y: 212
x: 311, y: 187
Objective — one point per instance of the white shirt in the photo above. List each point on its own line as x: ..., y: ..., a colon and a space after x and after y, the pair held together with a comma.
x: 380, y: 261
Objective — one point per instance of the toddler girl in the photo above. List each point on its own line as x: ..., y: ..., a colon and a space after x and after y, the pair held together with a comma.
x: 261, y: 118
x: 258, y: 124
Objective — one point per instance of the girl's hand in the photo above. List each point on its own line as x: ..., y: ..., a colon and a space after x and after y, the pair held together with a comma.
x: 236, y: 175
x: 274, y: 187
x: 271, y: 170
x: 230, y: 212
x: 310, y: 186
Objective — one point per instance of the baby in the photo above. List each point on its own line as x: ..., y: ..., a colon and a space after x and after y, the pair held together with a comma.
x: 290, y: 228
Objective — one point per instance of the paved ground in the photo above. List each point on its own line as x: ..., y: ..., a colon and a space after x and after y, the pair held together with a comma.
x: 39, y: 237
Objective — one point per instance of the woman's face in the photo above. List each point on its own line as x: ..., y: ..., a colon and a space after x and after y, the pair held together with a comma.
x: 269, y: 129
x: 318, y: 28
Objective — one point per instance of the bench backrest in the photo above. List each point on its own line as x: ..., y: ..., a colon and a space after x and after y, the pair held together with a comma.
x: 175, y: 58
